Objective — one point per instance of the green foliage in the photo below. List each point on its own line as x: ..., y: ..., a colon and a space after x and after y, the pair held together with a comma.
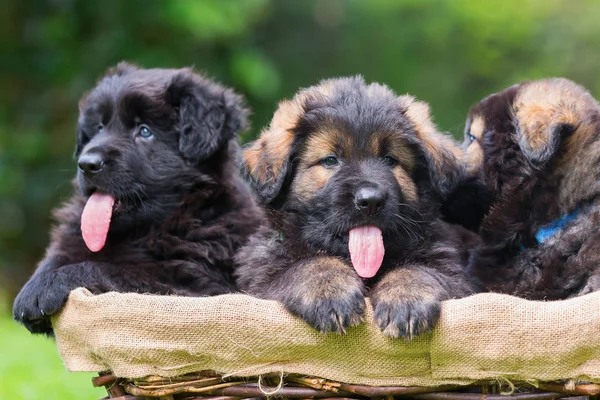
x: 30, y: 368
x: 448, y: 53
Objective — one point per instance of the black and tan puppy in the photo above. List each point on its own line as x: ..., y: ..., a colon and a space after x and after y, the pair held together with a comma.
x: 537, y: 145
x: 159, y: 206
x: 353, y: 177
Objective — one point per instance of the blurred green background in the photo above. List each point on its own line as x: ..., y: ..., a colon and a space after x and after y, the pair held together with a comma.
x: 448, y: 53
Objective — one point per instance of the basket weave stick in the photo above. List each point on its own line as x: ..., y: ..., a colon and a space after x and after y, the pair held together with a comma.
x: 215, y: 387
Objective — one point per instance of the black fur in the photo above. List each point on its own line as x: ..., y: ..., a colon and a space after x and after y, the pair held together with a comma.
x: 467, y: 204
x: 181, y: 209
x: 303, y: 259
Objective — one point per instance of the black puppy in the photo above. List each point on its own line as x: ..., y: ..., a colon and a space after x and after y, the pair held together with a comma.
x: 354, y: 177
x: 158, y: 204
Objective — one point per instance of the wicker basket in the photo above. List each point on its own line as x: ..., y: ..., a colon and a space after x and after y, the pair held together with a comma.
x: 487, y: 346
x: 209, y: 385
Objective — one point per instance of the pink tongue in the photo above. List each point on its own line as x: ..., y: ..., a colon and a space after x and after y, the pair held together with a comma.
x: 366, y: 250
x: 95, y: 220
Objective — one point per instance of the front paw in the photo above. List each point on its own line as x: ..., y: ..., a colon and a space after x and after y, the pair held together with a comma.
x: 336, y: 311
x: 400, y: 312
x: 41, y: 297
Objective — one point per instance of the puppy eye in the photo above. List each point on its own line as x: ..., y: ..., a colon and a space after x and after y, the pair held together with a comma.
x: 100, y: 128
x: 471, y: 138
x: 330, y: 161
x: 389, y: 160
x: 144, y: 132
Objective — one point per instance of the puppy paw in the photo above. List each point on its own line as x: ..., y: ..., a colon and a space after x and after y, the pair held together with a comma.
x: 592, y: 285
x: 407, y: 302
x: 333, y: 312
x: 41, y: 297
x: 403, y: 316
x: 326, y: 293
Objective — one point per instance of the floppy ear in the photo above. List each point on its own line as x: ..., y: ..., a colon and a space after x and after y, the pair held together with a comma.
x: 209, y: 115
x: 122, y: 68
x: 548, y: 111
x: 443, y: 156
x: 266, y: 161
x: 539, y: 146
x: 539, y: 135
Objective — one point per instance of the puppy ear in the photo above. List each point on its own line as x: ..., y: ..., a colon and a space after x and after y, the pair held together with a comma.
x: 443, y: 156
x: 121, y: 69
x: 548, y: 111
x: 209, y: 115
x: 266, y: 161
x: 541, y: 143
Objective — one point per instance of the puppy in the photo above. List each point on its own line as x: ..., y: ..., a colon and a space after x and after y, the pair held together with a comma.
x: 159, y: 206
x: 537, y: 146
x: 353, y: 177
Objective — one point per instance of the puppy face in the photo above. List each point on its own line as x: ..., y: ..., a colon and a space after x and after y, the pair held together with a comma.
x: 351, y: 179
x: 492, y: 114
x: 549, y: 127
x: 345, y: 154
x: 154, y: 131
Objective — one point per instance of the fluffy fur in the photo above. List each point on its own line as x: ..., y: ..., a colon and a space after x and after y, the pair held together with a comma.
x: 537, y: 145
x: 181, y: 210
x: 381, y: 142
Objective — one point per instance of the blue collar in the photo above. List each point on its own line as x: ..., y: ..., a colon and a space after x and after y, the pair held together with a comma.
x: 547, y: 231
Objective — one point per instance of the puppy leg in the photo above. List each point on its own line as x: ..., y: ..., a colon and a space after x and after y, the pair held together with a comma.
x: 561, y: 267
x: 569, y: 262
x: 407, y: 300
x: 583, y: 269
x: 491, y: 265
x: 48, y: 289
x: 324, y: 291
x: 592, y: 285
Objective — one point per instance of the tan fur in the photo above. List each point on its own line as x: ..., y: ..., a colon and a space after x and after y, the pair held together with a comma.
x: 311, y: 176
x: 325, y: 277
x: 419, y: 114
x: 265, y: 157
x: 477, y: 127
x: 399, y: 279
x: 397, y: 148
x: 320, y: 144
x: 552, y: 100
x: 309, y: 181
x: 445, y: 153
x: 405, y: 285
x: 474, y: 153
x: 315, y: 270
x: 540, y: 105
x: 409, y: 189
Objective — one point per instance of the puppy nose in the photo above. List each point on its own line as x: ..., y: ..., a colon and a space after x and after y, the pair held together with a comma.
x: 90, y: 164
x: 369, y: 200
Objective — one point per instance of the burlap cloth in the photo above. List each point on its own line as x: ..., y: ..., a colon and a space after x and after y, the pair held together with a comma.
x: 486, y: 336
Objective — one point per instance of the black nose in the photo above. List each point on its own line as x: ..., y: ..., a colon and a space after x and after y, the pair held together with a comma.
x: 369, y: 200
x: 90, y: 164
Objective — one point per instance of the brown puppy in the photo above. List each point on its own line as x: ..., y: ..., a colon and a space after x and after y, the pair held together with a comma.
x: 353, y: 177
x: 537, y: 145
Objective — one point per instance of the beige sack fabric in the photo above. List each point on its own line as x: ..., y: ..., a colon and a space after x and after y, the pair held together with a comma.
x: 486, y: 336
